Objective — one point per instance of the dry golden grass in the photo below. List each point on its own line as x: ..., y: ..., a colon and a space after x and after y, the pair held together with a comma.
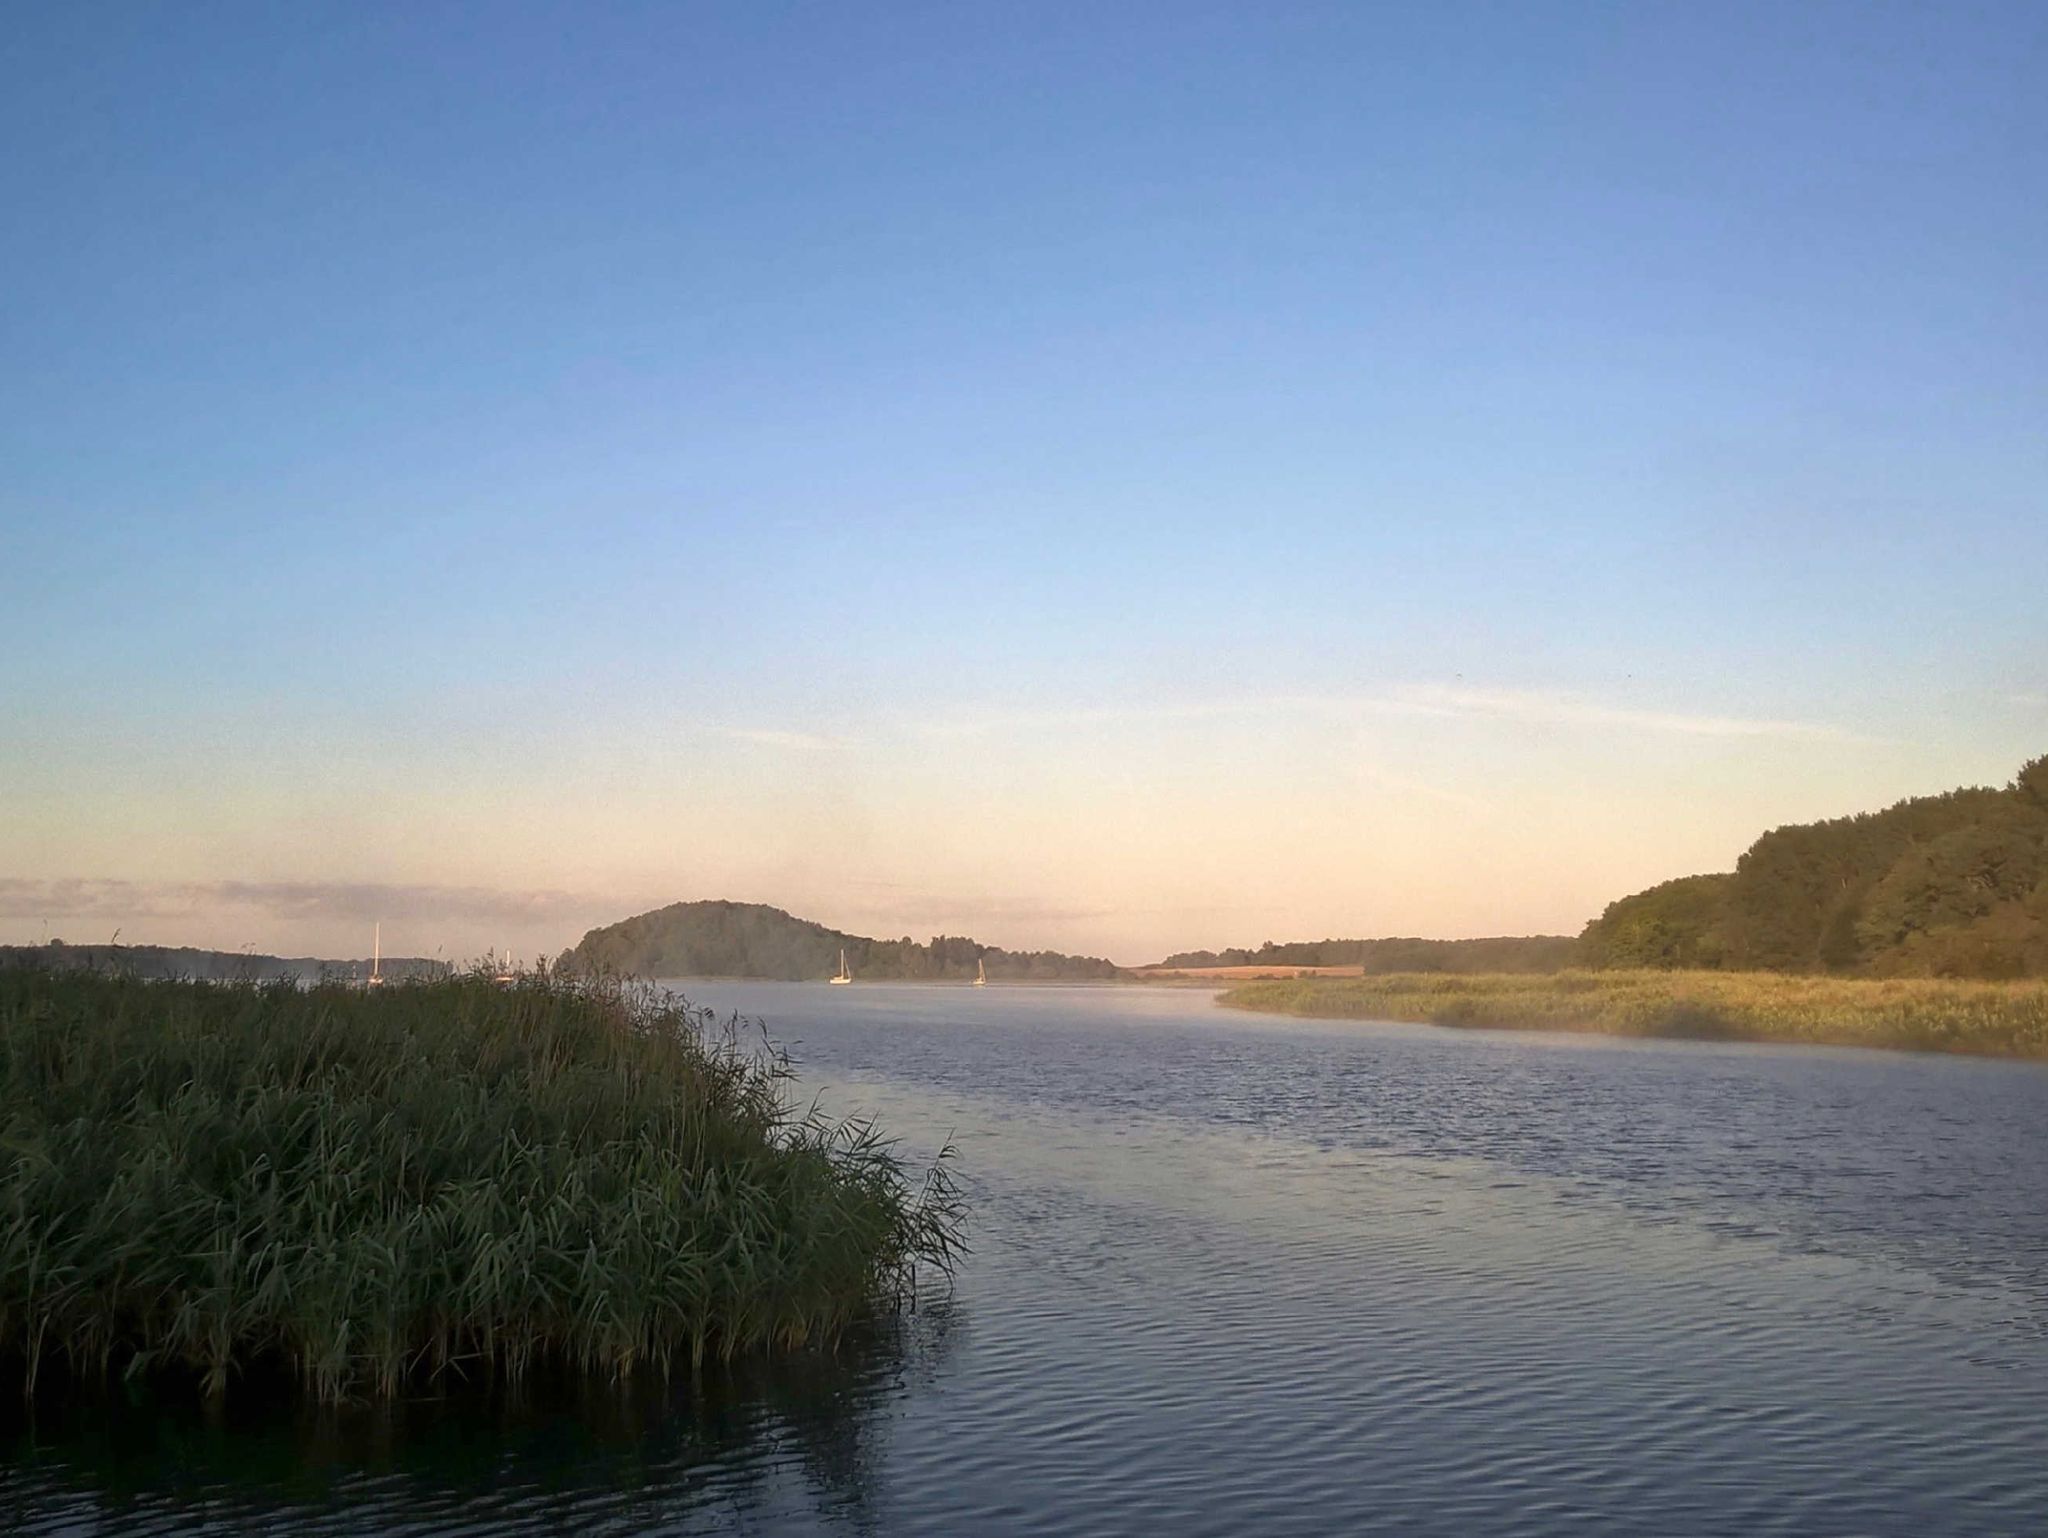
x: 1241, y: 974
x: 2004, y: 1019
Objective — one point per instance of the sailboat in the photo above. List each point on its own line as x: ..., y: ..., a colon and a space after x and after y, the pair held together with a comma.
x: 507, y: 974
x: 980, y: 973
x: 376, y: 977
x: 844, y: 975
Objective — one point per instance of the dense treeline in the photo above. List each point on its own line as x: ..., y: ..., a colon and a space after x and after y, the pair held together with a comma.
x: 1953, y: 885
x: 728, y: 939
x: 1503, y: 953
x: 156, y: 962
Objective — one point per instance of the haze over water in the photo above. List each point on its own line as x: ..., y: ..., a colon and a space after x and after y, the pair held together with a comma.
x: 1237, y: 1274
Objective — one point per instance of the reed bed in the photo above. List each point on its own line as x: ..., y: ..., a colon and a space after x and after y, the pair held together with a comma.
x: 1915, y: 1014
x: 371, y: 1188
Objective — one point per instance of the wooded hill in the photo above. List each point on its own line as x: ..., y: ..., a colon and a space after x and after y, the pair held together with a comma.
x: 1954, y: 885
x: 728, y: 939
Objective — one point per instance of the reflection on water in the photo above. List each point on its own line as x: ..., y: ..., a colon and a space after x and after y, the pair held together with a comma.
x: 1242, y: 1275
x: 752, y: 1439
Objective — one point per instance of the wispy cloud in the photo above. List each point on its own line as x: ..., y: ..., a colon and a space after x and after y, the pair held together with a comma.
x: 1447, y: 701
x: 1554, y: 709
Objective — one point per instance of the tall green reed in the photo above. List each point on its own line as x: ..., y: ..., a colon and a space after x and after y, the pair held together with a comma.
x: 370, y: 1188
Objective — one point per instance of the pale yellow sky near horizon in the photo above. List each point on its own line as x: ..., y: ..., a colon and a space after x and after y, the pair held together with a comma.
x: 1081, y: 482
x: 1121, y: 832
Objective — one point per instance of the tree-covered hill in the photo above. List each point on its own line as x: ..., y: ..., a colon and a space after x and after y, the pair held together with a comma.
x: 728, y: 939
x: 1502, y: 953
x: 1954, y: 885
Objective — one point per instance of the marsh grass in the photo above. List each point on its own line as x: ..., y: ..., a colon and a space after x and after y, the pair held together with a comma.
x: 1918, y: 1014
x: 367, y: 1189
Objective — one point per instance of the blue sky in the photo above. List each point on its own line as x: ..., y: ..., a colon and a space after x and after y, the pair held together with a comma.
x: 1115, y: 477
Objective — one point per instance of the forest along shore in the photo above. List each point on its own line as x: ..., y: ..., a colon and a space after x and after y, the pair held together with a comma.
x: 1993, y: 1019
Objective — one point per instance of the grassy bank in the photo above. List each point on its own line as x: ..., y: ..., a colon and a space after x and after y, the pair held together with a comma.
x: 370, y: 1188
x: 1922, y: 1015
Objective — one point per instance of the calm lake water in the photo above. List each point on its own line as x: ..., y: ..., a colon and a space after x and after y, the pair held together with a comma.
x: 1239, y: 1275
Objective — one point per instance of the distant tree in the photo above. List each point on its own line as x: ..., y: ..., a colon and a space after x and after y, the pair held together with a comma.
x: 1960, y: 877
x: 1793, y: 885
x: 1673, y: 924
x: 2031, y: 783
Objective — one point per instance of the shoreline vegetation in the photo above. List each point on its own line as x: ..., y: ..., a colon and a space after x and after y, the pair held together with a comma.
x: 369, y: 1190
x: 1990, y: 1019
x: 189, y: 963
x: 1494, y: 953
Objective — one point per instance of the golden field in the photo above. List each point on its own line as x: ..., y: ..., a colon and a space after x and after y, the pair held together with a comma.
x: 2002, y: 1019
x: 1241, y: 974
